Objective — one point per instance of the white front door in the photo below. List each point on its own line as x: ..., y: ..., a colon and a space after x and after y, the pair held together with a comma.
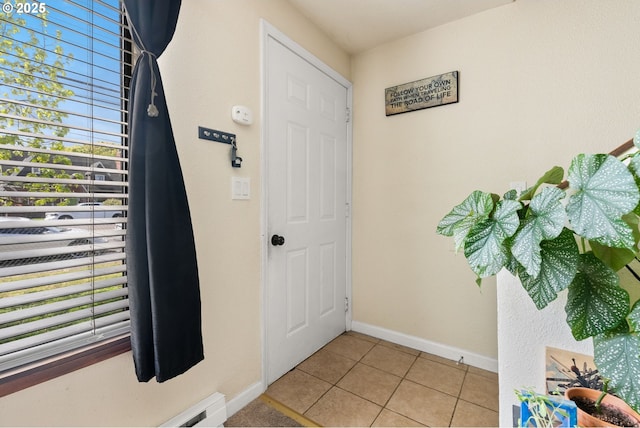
x: 306, y: 208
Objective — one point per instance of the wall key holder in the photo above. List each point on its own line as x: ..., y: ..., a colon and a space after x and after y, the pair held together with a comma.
x: 222, y: 137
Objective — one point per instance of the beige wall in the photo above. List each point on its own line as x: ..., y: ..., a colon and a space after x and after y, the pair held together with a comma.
x: 540, y: 80
x: 212, y: 64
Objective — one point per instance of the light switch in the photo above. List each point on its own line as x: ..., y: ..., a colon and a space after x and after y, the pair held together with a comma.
x: 240, y: 188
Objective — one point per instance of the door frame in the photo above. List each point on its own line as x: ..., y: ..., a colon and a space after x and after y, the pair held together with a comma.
x: 269, y: 31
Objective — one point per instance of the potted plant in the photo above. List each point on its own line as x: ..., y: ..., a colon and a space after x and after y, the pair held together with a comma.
x: 597, y: 408
x: 571, y: 235
x: 540, y: 410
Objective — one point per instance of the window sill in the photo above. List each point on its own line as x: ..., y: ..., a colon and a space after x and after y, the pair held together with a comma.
x: 50, y: 368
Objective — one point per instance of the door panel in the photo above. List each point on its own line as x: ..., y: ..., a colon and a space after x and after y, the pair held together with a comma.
x: 306, y: 161
x: 297, y: 164
x: 328, y: 281
x: 328, y: 177
x: 297, y: 290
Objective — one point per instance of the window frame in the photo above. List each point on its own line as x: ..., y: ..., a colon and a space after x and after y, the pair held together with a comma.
x: 39, y: 371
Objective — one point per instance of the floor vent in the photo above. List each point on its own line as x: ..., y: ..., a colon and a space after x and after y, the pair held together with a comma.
x: 210, y: 412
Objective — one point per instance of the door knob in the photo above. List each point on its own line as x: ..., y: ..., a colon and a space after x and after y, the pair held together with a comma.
x: 277, y: 240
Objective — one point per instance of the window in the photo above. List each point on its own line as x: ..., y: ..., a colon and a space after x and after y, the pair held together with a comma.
x: 64, y: 74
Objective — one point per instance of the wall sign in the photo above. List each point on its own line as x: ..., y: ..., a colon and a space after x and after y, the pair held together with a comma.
x: 430, y: 92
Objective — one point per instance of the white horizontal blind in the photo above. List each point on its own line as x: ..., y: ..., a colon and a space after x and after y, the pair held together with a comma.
x: 64, y: 72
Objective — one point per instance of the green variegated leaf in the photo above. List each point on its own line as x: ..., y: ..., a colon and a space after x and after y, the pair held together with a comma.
x: 511, y: 264
x: 484, y: 247
x: 511, y: 194
x: 617, y: 357
x: 464, y: 216
x: 553, y: 176
x: 634, y: 317
x: 636, y: 139
x: 634, y: 223
x: 634, y: 168
x: 545, y: 220
x: 605, y: 191
x: 596, y: 303
x: 615, y: 258
x: 557, y: 270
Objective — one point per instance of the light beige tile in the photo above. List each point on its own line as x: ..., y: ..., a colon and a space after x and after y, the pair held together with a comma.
x: 484, y: 373
x: 437, y: 376
x: 422, y: 404
x: 387, y: 418
x: 370, y: 383
x: 389, y: 360
x: 445, y: 361
x: 480, y: 390
x: 349, y: 346
x: 341, y: 408
x: 471, y: 415
x: 402, y: 348
x: 298, y: 390
x: 258, y: 413
x: 327, y: 365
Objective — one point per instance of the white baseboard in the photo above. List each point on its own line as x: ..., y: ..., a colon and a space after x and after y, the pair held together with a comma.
x: 439, y: 349
x: 445, y: 351
x: 244, y: 398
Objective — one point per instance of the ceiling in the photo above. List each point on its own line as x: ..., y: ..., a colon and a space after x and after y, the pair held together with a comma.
x: 359, y: 25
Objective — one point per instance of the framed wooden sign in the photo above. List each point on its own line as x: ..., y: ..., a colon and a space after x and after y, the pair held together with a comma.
x: 430, y: 92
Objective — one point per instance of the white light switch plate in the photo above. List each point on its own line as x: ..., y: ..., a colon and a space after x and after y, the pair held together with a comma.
x: 240, y: 188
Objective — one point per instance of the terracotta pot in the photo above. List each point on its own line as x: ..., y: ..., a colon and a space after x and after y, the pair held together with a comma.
x: 585, y: 419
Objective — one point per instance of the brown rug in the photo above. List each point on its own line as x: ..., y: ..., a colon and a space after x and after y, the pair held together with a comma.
x: 264, y: 411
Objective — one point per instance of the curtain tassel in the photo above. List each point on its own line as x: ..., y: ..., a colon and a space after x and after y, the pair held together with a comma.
x: 152, y: 110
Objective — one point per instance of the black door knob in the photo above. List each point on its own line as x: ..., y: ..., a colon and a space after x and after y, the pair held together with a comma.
x: 277, y: 240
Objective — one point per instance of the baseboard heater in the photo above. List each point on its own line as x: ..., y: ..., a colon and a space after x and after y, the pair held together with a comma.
x: 210, y: 412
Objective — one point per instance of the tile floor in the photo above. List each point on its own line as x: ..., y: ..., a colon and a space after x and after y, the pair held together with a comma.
x: 358, y: 380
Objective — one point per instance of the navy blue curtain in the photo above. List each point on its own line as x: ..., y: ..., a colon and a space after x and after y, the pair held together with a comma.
x: 164, y: 291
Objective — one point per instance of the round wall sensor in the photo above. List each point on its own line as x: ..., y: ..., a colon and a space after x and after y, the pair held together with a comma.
x: 242, y: 115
